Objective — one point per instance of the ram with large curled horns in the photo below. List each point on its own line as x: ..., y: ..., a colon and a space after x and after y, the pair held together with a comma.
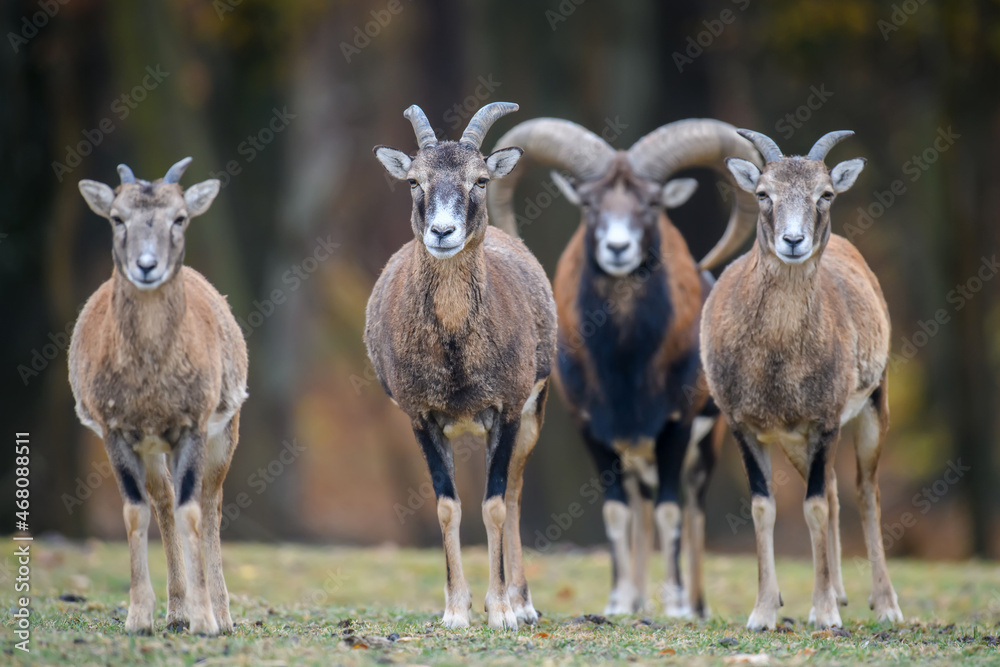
x: 795, y: 343
x: 629, y: 296
x: 461, y: 329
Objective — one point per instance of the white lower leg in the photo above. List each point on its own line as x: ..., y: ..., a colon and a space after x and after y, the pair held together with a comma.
x: 199, y: 607
x: 765, y: 611
x: 457, y: 600
x: 141, y: 599
x: 499, y: 614
x: 824, y: 611
x: 668, y: 521
x: 623, y: 593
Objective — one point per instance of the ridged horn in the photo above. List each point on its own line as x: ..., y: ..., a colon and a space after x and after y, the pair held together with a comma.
x: 421, y: 126
x: 701, y: 142
x: 764, y: 144
x: 483, y: 121
x: 125, y: 174
x: 826, y: 142
x: 551, y: 142
x: 175, y: 172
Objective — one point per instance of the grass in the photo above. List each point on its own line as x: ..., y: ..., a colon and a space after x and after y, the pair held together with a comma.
x: 297, y: 604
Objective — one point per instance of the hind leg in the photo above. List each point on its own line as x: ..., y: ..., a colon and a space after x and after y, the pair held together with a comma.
x: 161, y: 491
x: 816, y: 508
x: 833, y: 541
x: 501, y: 443
x: 640, y: 498
x: 871, y: 424
x: 527, y: 435
x: 671, y: 450
x: 219, y: 455
x: 696, y: 477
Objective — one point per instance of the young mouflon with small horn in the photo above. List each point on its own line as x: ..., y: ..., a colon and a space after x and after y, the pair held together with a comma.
x: 795, y: 344
x: 461, y: 331
x: 158, y: 367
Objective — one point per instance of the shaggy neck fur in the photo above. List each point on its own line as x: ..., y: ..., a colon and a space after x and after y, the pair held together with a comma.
x: 453, y: 289
x: 148, y: 320
x: 787, y: 296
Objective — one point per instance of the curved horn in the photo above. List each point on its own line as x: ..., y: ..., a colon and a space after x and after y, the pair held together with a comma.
x: 547, y: 141
x: 764, y: 144
x: 175, y: 172
x: 826, y: 142
x: 421, y: 126
x: 701, y: 142
x: 483, y: 121
x: 125, y: 174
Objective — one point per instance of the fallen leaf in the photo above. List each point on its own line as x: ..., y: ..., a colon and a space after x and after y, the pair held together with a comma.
x: 806, y: 652
x: 542, y: 635
x: 668, y: 651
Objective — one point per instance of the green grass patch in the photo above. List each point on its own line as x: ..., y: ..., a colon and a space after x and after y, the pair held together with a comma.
x: 297, y: 604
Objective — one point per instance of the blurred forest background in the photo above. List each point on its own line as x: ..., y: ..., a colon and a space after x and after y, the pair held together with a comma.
x: 283, y: 101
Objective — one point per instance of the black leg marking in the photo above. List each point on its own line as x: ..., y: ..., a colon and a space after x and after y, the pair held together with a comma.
x: 439, y: 460
x: 130, y: 486
x: 498, y: 458
x: 758, y: 483
x: 187, y: 486
x: 671, y: 448
x: 609, y: 468
x: 816, y: 486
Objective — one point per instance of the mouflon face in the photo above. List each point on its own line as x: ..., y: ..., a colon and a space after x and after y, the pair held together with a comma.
x: 149, y: 221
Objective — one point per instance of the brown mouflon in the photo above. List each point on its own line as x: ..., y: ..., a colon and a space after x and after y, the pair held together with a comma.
x: 461, y: 330
x: 795, y: 343
x: 158, y: 368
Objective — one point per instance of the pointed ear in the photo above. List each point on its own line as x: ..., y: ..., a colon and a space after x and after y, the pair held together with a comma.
x: 503, y: 161
x: 746, y: 173
x: 98, y: 197
x: 200, y: 196
x: 396, y: 162
x: 677, y: 191
x: 845, y: 173
x: 566, y: 188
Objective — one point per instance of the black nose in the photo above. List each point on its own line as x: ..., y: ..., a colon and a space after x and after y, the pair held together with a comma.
x: 146, y: 262
x: 618, y: 248
x: 442, y: 232
x: 792, y: 241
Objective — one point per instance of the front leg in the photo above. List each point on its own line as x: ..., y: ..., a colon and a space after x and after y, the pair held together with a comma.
x: 500, y: 447
x: 616, y: 514
x: 671, y: 448
x: 130, y: 473
x: 440, y: 460
x: 816, y: 508
x: 757, y: 461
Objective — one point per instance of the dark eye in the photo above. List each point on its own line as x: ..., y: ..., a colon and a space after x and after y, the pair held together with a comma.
x: 180, y: 220
x: 481, y: 183
x: 412, y: 182
x: 828, y: 196
x: 117, y: 220
x: 762, y: 196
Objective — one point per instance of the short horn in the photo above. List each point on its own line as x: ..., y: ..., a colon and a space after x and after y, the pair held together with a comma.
x: 764, y: 144
x: 175, y: 172
x: 125, y: 174
x: 421, y: 126
x: 551, y: 142
x: 701, y: 142
x: 826, y: 142
x: 483, y: 121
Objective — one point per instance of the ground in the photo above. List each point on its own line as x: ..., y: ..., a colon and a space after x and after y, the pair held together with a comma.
x: 296, y: 604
